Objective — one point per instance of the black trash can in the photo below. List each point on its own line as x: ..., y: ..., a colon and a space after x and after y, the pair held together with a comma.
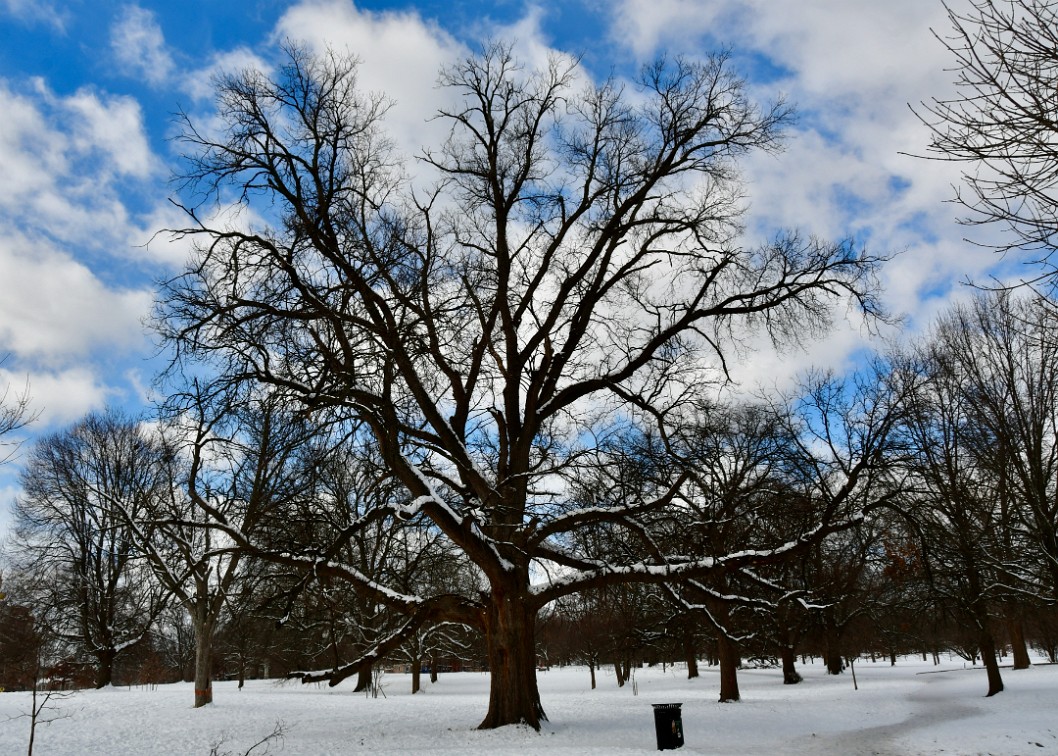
x: 668, y: 725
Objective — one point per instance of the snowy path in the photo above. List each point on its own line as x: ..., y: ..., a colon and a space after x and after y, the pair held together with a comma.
x: 936, y: 703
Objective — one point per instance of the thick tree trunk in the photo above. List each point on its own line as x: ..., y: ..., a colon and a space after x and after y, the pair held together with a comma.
x: 363, y: 679
x: 416, y: 675
x: 105, y: 667
x: 988, y: 656
x: 729, y: 658
x: 433, y: 668
x: 510, y: 637
x: 619, y: 672
x: 1018, y: 649
x: 203, y: 664
x: 790, y: 675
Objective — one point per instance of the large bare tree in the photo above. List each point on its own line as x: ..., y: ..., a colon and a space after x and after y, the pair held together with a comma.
x: 575, y: 265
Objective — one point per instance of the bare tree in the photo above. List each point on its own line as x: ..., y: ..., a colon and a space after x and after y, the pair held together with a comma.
x: 575, y: 264
x: 15, y: 414
x: 237, y: 458
x: 1007, y: 353
x: 91, y: 586
x: 1003, y: 121
x: 951, y: 498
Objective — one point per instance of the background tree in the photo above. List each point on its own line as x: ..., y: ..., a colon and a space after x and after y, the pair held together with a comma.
x: 92, y: 588
x: 1004, y: 348
x: 1003, y: 120
x: 950, y: 498
x: 20, y: 644
x: 575, y: 263
x: 236, y: 456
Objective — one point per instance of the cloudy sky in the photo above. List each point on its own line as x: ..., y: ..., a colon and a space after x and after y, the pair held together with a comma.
x: 88, y: 90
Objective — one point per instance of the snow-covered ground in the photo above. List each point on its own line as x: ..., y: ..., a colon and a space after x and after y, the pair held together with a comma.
x: 912, y: 708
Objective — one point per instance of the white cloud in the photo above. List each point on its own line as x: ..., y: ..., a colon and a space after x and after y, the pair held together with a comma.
x: 66, y: 161
x: 61, y: 396
x: 645, y: 25
x: 199, y: 83
x: 73, y: 289
x: 53, y: 309
x: 138, y: 45
x: 35, y: 11
x: 400, y: 55
x: 113, y: 128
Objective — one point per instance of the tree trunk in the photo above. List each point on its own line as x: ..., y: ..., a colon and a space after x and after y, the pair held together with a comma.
x: 1018, y: 649
x: 416, y: 675
x: 105, y: 667
x: 620, y: 673
x: 790, y: 675
x: 510, y: 637
x: 729, y: 658
x: 433, y: 668
x: 690, y: 653
x: 833, y: 649
x: 363, y: 679
x: 988, y: 656
x: 591, y: 669
x: 203, y: 663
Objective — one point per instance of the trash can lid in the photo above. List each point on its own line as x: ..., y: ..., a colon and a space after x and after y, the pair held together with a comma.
x: 667, y: 706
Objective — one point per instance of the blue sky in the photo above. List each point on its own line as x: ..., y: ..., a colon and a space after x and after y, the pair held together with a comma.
x: 88, y: 90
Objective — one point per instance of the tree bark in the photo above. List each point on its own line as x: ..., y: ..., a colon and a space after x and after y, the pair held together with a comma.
x: 416, y: 675
x: 790, y: 675
x: 833, y: 650
x: 591, y: 669
x: 690, y: 653
x: 1019, y: 650
x: 729, y: 659
x: 363, y: 679
x: 988, y: 656
x: 433, y: 668
x: 105, y: 667
x: 510, y: 637
x: 203, y: 664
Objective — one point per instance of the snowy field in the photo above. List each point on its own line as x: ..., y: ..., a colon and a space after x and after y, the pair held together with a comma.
x: 911, y: 708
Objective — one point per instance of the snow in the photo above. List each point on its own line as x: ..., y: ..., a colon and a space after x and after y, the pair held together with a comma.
x: 912, y: 708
